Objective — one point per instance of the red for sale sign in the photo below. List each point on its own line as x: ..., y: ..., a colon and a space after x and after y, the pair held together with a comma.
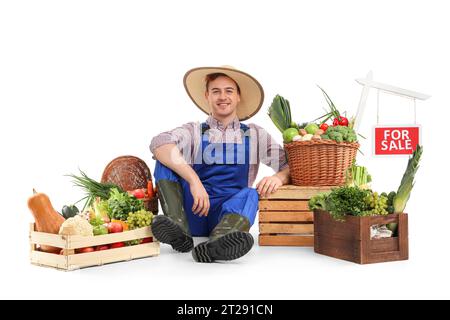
x: 396, y: 140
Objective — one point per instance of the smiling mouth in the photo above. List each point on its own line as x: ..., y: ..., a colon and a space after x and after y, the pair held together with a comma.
x: 223, y: 104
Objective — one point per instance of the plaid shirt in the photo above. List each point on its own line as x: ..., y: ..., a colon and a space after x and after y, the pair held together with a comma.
x: 263, y: 148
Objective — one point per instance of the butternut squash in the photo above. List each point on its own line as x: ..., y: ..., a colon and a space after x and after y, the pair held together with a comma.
x: 45, y: 216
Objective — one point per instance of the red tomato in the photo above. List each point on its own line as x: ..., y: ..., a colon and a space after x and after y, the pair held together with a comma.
x: 335, y: 122
x: 114, y: 227
x: 85, y: 250
x: 147, y: 240
x: 138, y: 193
x: 324, y: 127
x: 117, y: 245
x: 343, y: 121
x: 102, y: 247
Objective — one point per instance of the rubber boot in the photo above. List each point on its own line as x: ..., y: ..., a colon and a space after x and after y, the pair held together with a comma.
x: 172, y: 227
x: 229, y: 240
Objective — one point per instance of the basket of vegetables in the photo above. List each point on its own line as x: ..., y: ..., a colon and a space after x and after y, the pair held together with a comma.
x: 319, y: 154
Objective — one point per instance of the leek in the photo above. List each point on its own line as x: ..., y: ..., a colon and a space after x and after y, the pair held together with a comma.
x: 358, y: 176
x: 407, y: 183
x: 280, y: 113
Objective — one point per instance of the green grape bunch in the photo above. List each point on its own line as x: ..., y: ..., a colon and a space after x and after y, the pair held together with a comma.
x: 139, y: 219
x: 378, y: 204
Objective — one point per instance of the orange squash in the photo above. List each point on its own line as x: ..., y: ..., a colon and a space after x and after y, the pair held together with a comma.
x: 45, y: 216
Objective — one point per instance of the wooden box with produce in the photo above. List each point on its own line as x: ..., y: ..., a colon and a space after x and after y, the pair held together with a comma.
x: 356, y: 224
x: 77, y: 251
x: 352, y: 239
x: 114, y: 224
x: 284, y: 217
x: 318, y: 154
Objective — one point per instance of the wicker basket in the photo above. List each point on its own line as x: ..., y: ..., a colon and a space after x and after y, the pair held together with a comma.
x: 130, y: 173
x: 320, y: 162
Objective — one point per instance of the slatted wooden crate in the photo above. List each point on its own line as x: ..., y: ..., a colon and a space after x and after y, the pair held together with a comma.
x: 72, y: 261
x: 284, y: 217
x: 350, y: 239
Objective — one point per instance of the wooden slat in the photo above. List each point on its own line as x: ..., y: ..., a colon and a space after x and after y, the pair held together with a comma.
x: 296, y: 241
x: 48, y: 239
x: 49, y: 260
x: 392, y: 218
x: 32, y: 245
x: 75, y: 242
x: 265, y: 228
x: 384, y: 245
x: 97, y: 258
x: 287, y: 216
x: 297, y: 192
x: 283, y: 205
x: 403, y: 236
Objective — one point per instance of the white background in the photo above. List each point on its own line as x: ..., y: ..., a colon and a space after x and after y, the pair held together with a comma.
x: 82, y: 82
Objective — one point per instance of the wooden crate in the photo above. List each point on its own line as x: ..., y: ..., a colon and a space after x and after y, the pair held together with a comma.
x: 350, y: 240
x: 71, y: 261
x: 284, y: 217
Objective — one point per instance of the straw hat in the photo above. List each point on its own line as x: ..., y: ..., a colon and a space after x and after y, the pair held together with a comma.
x: 252, y: 93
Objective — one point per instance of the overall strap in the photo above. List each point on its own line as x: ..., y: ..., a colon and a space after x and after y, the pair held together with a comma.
x: 244, y: 127
x: 205, y: 127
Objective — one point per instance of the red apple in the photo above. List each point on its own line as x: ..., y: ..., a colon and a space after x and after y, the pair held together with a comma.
x: 85, y: 250
x: 102, y: 247
x: 117, y: 245
x: 114, y: 227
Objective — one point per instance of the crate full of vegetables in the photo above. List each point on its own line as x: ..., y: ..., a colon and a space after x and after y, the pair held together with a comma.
x: 114, y: 225
x: 352, y: 239
x: 319, y: 154
x: 354, y: 223
x: 81, y: 251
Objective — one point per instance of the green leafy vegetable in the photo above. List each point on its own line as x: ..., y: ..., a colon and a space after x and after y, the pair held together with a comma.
x: 96, y: 221
x: 347, y: 201
x: 318, y: 201
x: 121, y: 204
x: 280, y: 113
x: 334, y: 112
x: 93, y: 188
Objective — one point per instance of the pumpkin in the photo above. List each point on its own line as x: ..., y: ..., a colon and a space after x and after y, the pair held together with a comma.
x: 45, y: 216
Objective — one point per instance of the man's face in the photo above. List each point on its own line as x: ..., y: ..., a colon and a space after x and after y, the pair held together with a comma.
x: 222, y: 96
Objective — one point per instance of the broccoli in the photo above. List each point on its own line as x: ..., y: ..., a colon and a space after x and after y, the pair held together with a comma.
x: 341, y: 134
x: 336, y: 136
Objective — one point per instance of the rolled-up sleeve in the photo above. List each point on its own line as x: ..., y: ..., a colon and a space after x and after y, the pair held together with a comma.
x: 271, y: 153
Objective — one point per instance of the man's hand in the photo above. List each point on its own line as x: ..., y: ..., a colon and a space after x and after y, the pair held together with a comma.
x: 201, y: 198
x: 268, y: 185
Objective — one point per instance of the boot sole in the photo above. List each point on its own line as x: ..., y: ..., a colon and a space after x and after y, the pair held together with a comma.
x: 228, y: 247
x: 167, y: 231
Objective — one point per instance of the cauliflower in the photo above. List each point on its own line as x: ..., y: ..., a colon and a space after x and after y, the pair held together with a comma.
x: 76, y: 226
